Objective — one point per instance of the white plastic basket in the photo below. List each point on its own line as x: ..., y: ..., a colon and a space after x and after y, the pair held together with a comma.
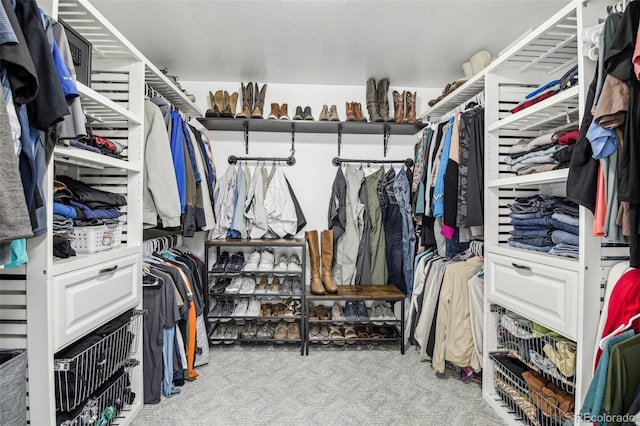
x: 92, y: 239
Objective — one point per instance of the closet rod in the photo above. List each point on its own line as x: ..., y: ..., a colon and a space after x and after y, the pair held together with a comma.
x: 337, y: 161
x: 289, y: 160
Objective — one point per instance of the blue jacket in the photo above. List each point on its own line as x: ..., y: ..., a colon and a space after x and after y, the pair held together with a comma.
x: 177, y: 152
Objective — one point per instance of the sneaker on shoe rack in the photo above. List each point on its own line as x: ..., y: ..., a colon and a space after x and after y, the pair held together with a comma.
x: 235, y: 263
x: 248, y: 285
x: 263, y: 331
x: 234, y: 287
x: 350, y: 313
x: 220, y: 286
x: 376, y: 315
x: 252, y: 263
x: 227, y: 310
x: 221, y: 263
x: 217, y: 334
x: 230, y: 333
x: 249, y: 330
x: 241, y: 308
x: 215, y: 308
x: 296, y: 287
x: 361, y: 311
x: 266, y: 261
x: 254, y: 308
x: 285, y: 288
x: 281, y: 266
x: 294, y: 266
x: 388, y: 314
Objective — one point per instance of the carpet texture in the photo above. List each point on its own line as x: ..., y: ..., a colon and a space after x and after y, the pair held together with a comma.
x: 251, y: 385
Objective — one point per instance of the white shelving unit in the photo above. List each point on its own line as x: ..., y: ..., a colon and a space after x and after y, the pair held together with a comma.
x: 56, y: 302
x: 559, y: 293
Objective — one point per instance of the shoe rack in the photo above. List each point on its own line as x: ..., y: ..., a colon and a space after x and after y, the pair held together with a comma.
x: 270, y: 319
x: 391, y: 331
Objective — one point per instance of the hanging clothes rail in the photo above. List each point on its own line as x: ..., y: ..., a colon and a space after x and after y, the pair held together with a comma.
x: 337, y: 161
x: 150, y: 92
x: 160, y: 244
x: 477, y: 99
x: 289, y: 160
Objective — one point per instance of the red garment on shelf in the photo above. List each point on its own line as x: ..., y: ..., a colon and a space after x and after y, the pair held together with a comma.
x: 568, y: 138
x: 535, y: 101
x: 624, y: 303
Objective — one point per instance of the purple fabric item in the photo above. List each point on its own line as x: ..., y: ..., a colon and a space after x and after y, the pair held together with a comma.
x: 78, y: 144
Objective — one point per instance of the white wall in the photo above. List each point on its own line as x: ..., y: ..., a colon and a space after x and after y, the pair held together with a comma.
x: 313, y: 174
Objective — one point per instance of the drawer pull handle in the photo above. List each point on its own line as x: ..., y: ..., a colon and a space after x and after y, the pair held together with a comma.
x: 107, y: 270
x: 525, y: 268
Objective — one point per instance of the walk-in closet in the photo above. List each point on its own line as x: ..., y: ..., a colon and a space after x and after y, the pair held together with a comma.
x: 320, y: 212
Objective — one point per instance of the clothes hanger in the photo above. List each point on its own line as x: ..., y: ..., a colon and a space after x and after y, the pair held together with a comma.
x: 623, y: 327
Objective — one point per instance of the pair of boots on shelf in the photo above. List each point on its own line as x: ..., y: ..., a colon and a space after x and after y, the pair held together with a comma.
x: 354, y: 112
x: 223, y: 104
x: 279, y: 112
x: 404, y: 105
x: 377, y: 100
x: 252, y: 101
x: 325, y: 284
x: 329, y: 114
x: 303, y: 115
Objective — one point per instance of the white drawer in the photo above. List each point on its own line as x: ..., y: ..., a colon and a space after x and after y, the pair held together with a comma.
x: 87, y: 298
x: 543, y: 294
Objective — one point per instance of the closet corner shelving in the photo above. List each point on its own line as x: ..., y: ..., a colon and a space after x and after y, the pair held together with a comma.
x: 69, y: 298
x: 469, y: 89
x: 562, y: 294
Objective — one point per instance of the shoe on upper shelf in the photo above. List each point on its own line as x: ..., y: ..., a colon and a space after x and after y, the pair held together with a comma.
x: 220, y: 285
x: 281, y: 267
x: 252, y: 264
x: 307, y: 114
x: 248, y: 285
x: 333, y: 113
x: 215, y: 309
x: 299, y: 114
x: 241, y: 308
x: 254, y: 307
x: 227, y: 310
x: 266, y: 261
x: 337, y: 315
x: 350, y: 313
x: 221, y: 263
x: 324, y: 113
x: 234, y: 287
x: 235, y: 263
x: 361, y: 311
x: 294, y: 266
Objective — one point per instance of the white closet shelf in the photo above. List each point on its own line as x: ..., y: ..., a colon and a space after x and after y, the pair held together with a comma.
x: 104, y: 109
x: 81, y: 261
x: 472, y: 87
x: 552, y: 176
x: 542, y: 258
x: 161, y: 84
x: 81, y: 157
x: 548, y: 114
x: 550, y: 48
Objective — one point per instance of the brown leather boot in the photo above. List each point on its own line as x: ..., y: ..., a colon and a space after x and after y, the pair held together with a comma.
x: 211, y: 112
x: 327, y: 262
x: 411, y: 107
x: 284, y: 113
x: 357, y: 111
x: 372, y: 101
x: 258, y: 100
x: 398, y: 106
x: 225, y: 105
x: 275, y: 112
x: 218, y: 103
x: 233, y: 103
x: 229, y: 104
x: 314, y: 260
x: 247, y: 100
x: 350, y: 113
x: 383, y: 99
x: 333, y: 113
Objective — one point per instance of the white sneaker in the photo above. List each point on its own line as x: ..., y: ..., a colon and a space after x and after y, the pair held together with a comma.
x: 248, y: 286
x: 266, y: 261
x: 235, y: 285
x: 254, y: 307
x: 241, y: 308
x: 252, y: 264
x: 293, y: 265
x: 387, y: 313
x: 376, y: 315
x: 281, y: 266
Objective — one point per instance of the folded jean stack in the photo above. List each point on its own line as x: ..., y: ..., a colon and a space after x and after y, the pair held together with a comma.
x: 547, y: 152
x: 545, y: 223
x: 77, y: 204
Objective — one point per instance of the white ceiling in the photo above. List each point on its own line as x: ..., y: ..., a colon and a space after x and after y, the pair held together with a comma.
x: 418, y: 43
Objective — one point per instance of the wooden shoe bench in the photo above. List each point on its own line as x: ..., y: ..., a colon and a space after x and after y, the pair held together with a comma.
x: 367, y: 293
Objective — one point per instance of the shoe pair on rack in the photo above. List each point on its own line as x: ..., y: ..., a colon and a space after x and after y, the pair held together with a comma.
x: 329, y: 114
x: 223, y: 104
x: 404, y: 106
x: 279, y: 112
x: 356, y: 310
x: 241, y: 285
x: 228, y: 264
x: 377, y: 100
x: 303, y: 115
x: 320, y: 285
x: 225, y: 332
x: 260, y: 261
x: 288, y: 265
x: 354, y: 112
x: 252, y: 101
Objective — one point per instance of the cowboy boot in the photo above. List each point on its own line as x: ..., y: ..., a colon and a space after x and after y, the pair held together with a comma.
x: 226, y: 107
x: 411, y: 108
x: 211, y: 112
x: 233, y: 103
x: 243, y: 89
x: 383, y: 99
x: 314, y: 260
x: 398, y: 106
x: 350, y: 113
x: 284, y: 114
x: 275, y: 112
x: 327, y: 261
x: 298, y: 115
x: 357, y: 112
x: 258, y: 97
x: 324, y: 114
x: 219, y: 103
x: 372, y: 101
x: 333, y: 113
